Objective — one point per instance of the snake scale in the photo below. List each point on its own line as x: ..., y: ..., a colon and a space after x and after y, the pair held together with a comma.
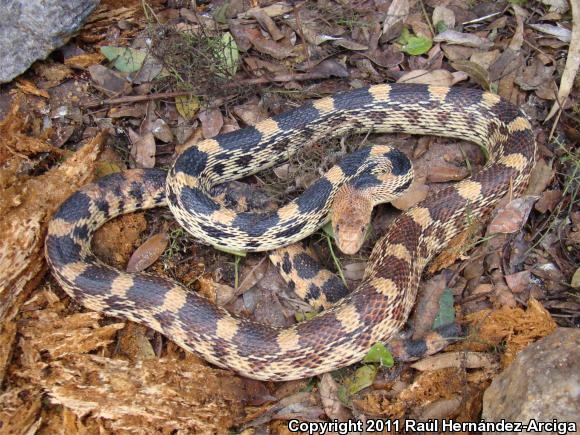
x: 376, y: 309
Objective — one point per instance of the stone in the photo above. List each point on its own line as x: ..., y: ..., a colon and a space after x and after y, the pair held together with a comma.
x: 543, y: 383
x: 32, y: 29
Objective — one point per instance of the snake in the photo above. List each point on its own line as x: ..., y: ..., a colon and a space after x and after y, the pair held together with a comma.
x: 377, y: 308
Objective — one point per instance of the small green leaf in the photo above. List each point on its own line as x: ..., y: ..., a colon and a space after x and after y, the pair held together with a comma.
x: 231, y: 251
x: 417, y: 45
x: 301, y: 316
x: 446, y: 314
x: 328, y: 229
x: 230, y: 54
x: 124, y: 59
x: 441, y: 26
x: 342, y: 395
x: 379, y: 354
x: 362, y: 378
x: 404, y: 36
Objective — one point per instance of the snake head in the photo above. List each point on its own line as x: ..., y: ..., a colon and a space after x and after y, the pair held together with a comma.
x: 350, y: 216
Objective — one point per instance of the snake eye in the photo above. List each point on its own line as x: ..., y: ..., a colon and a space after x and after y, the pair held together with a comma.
x: 337, y: 229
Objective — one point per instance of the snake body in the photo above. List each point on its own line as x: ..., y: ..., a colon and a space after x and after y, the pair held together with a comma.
x: 376, y: 309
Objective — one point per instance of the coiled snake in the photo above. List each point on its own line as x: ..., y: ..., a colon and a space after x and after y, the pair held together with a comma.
x: 376, y: 309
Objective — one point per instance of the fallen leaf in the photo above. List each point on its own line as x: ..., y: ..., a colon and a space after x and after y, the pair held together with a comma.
x: 512, y: 217
x: 361, y: 379
x: 444, y: 15
x: 148, y: 253
x: 478, y: 74
x: 414, y: 45
x: 466, y: 39
x: 273, y: 10
x: 396, y: 14
x: 211, y: 122
x: 161, y: 130
x: 438, y: 77
x: 572, y: 63
x: 124, y: 59
x: 229, y: 55
x: 379, y: 354
x: 540, y: 178
x: 518, y: 282
x: 272, y: 48
x: 468, y: 360
x: 559, y: 6
x: 328, y: 390
x: 187, y: 106
x: 446, y: 313
x: 416, y: 193
x: 548, y: 200
x: 142, y: 149
x: 350, y: 45
x: 558, y: 32
x: 575, y: 282
x: 83, y: 61
x: 266, y: 23
x: 353, y: 271
x: 108, y: 81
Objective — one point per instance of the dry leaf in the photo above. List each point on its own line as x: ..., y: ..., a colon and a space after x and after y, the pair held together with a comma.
x: 396, y: 15
x: 465, y: 39
x: 548, y: 200
x: 540, y: 178
x: 161, y: 130
x: 478, y: 74
x: 513, y: 216
x: 518, y: 282
x: 148, y: 253
x: 142, y: 149
x: 212, y: 122
x: 469, y: 360
x: 83, y: 61
x: 334, y: 409
x: 416, y: 193
x: 444, y: 15
x: 572, y: 63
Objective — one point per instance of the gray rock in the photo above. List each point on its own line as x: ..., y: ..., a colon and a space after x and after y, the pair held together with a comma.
x: 543, y: 383
x: 31, y: 29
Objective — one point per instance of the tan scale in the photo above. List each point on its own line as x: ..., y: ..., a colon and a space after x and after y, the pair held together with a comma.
x: 384, y: 286
x: 398, y: 251
x: 516, y: 160
x: 224, y: 216
x: 438, y: 93
x: 288, y: 211
x: 209, y: 146
x: 174, y: 300
x: 288, y: 340
x: 71, y: 271
x: 380, y: 92
x: 121, y: 285
x: 324, y: 105
x: 349, y: 318
x: 267, y: 127
x: 519, y: 124
x: 227, y: 327
x: 422, y: 216
x: 60, y: 227
x: 469, y: 190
